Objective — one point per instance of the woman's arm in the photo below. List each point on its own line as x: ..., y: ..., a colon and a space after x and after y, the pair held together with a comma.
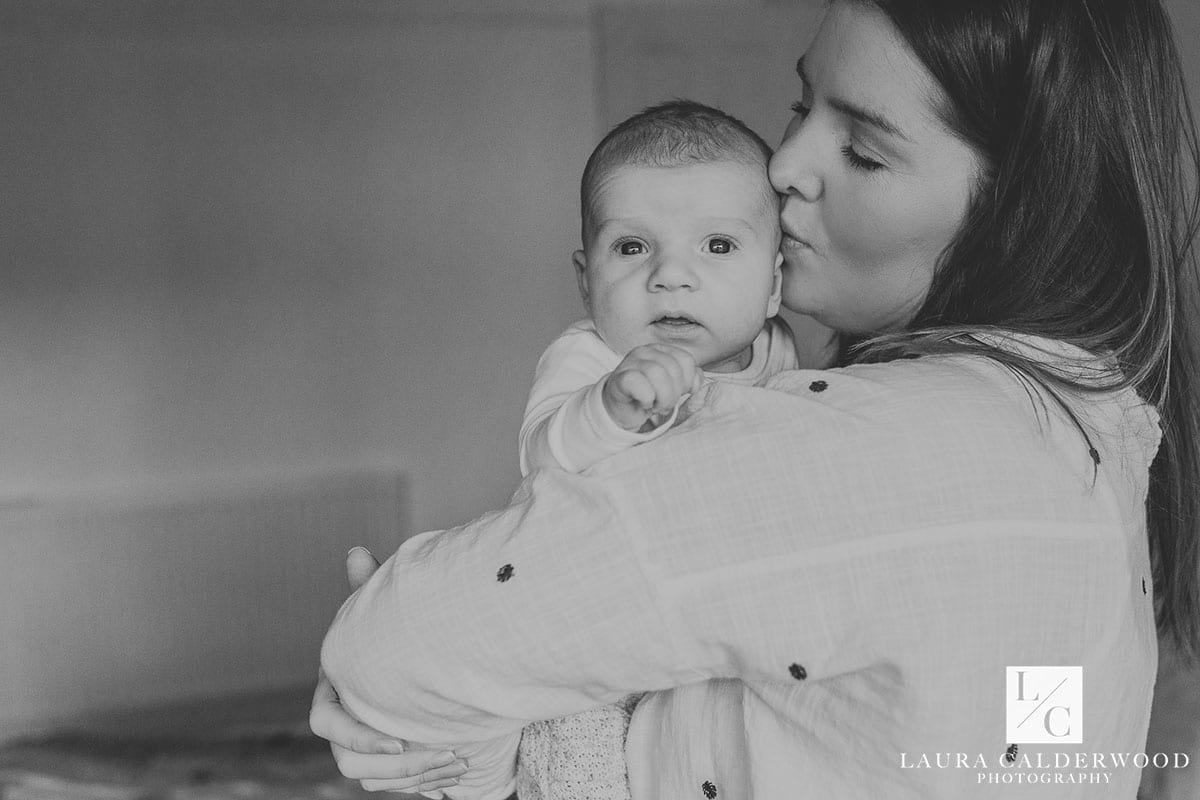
x: 378, y: 762
x: 773, y: 536
x: 392, y: 676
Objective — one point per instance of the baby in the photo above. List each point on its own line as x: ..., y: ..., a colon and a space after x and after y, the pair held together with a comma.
x: 680, y: 275
x: 679, y: 272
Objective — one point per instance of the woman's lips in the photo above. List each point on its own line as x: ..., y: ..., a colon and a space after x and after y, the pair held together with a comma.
x: 793, y: 238
x: 792, y: 243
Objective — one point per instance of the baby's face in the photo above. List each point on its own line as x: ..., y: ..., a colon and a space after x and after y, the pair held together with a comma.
x: 686, y: 256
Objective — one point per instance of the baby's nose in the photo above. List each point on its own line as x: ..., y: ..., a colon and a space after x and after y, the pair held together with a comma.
x: 672, y: 272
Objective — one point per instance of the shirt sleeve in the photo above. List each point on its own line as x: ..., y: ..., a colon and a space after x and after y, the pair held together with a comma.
x: 752, y: 541
x: 566, y: 425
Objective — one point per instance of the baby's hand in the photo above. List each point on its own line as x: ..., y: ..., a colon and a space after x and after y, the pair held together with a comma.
x: 647, y: 384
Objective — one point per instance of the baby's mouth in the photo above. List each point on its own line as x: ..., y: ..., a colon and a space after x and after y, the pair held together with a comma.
x: 675, y: 321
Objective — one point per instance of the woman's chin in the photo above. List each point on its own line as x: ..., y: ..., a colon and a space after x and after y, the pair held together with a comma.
x: 805, y: 307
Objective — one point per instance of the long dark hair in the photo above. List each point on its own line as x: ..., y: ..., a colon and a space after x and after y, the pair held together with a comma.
x: 1082, y: 227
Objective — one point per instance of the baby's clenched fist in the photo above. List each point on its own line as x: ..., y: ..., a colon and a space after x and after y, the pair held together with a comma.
x: 647, y: 385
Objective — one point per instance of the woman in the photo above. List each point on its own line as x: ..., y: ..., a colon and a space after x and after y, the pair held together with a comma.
x: 989, y: 198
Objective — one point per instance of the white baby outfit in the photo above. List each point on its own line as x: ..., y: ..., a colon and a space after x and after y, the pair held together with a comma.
x: 582, y: 756
x: 565, y: 424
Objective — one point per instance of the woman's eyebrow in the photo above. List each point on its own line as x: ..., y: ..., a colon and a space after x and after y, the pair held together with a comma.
x: 864, y: 115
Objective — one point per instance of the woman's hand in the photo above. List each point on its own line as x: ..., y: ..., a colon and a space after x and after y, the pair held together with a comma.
x: 375, y: 760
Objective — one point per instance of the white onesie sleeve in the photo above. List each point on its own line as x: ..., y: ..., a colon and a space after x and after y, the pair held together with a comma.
x: 566, y: 425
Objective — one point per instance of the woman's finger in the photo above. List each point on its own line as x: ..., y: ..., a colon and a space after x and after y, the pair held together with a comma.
x: 417, y: 783
x: 330, y: 721
x: 409, y: 768
x: 360, y: 565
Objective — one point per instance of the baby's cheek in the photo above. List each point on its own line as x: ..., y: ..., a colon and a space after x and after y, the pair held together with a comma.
x: 614, y: 325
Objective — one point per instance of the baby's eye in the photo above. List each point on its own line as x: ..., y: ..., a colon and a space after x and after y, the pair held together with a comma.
x: 631, y: 248
x: 720, y: 245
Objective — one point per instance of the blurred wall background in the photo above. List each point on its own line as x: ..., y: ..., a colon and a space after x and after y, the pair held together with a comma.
x: 305, y: 251
x: 245, y: 244
x: 247, y: 237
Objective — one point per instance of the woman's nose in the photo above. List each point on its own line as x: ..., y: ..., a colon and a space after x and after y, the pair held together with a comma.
x: 671, y: 272
x: 793, y: 168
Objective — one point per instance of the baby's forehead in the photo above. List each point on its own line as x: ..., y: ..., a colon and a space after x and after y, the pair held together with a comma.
x: 753, y: 168
x: 620, y: 184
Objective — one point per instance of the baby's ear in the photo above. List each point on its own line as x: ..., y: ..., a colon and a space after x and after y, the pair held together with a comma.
x: 776, y: 288
x: 579, y: 259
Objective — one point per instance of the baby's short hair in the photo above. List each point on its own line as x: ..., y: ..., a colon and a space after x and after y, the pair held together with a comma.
x: 670, y: 134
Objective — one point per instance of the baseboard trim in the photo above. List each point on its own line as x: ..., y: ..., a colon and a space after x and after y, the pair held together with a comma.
x: 283, y: 707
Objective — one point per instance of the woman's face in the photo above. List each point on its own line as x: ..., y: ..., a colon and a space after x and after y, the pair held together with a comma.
x: 875, y: 185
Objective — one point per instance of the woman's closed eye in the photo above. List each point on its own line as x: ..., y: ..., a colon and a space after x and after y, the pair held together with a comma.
x: 858, y: 160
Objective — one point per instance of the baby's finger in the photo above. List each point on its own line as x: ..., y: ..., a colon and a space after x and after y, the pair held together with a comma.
x: 689, y: 370
x: 634, y: 386
x: 691, y: 376
x: 668, y: 382
x: 673, y: 360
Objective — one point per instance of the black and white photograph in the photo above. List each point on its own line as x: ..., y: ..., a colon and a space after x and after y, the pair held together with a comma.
x: 599, y: 399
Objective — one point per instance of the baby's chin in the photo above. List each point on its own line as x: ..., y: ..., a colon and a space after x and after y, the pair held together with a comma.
x: 736, y: 362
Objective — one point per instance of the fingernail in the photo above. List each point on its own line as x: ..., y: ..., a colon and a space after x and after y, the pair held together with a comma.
x: 392, y: 746
x: 442, y: 759
x: 357, y: 547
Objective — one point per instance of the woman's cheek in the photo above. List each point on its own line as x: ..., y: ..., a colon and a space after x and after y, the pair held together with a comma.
x: 867, y: 229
